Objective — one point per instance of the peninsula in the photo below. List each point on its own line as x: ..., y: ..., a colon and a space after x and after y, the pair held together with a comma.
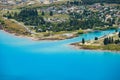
x: 109, y: 42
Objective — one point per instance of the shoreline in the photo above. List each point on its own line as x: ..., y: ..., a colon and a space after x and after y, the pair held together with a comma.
x: 35, y: 38
x: 78, y: 48
x: 16, y: 35
x: 62, y: 35
x: 50, y: 38
x: 96, y: 46
x: 73, y: 45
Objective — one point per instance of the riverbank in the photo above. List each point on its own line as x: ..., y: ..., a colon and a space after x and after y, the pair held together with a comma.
x: 98, y: 44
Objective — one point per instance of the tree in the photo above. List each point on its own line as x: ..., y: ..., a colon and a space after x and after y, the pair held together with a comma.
x: 51, y: 13
x: 9, y: 16
x: 83, y: 41
x: 96, y: 38
x: 8, y: 12
x: 112, y: 40
x: 109, y: 40
x: 117, y: 41
x: 43, y: 13
x: 2, y: 22
x: 116, y: 30
x: 119, y: 34
x: 15, y: 14
x: 105, y: 41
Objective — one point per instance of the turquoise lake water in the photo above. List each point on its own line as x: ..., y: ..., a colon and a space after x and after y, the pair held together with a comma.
x: 24, y: 59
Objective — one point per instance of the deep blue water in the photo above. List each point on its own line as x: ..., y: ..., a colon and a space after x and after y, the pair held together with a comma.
x: 24, y: 59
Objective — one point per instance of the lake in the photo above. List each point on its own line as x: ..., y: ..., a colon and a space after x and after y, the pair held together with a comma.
x: 25, y: 59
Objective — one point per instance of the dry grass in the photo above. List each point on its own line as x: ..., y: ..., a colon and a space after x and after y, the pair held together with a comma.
x: 12, y: 27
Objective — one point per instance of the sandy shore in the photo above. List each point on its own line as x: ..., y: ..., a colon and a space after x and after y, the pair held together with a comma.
x: 48, y: 38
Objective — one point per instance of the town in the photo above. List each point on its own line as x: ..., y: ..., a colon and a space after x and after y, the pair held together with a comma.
x: 28, y: 2
x: 74, y: 14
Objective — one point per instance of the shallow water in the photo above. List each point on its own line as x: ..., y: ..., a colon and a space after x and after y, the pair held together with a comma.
x: 24, y: 59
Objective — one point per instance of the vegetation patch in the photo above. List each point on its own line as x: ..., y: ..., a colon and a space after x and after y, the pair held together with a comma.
x: 111, y: 43
x: 13, y: 27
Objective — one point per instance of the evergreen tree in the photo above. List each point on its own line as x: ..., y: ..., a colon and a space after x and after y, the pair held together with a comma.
x: 15, y: 14
x: 43, y: 13
x: 119, y: 34
x: 116, y: 30
x: 96, y: 38
x: 109, y: 40
x: 117, y: 41
x: 51, y: 13
x: 112, y: 40
x: 105, y: 41
x: 83, y: 41
x: 9, y: 16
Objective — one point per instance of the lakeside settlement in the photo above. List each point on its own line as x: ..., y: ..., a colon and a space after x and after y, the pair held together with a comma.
x: 64, y: 20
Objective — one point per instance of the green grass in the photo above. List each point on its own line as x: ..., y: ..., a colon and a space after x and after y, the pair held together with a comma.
x: 92, y: 47
x: 60, y: 16
x: 111, y: 47
x: 80, y: 31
